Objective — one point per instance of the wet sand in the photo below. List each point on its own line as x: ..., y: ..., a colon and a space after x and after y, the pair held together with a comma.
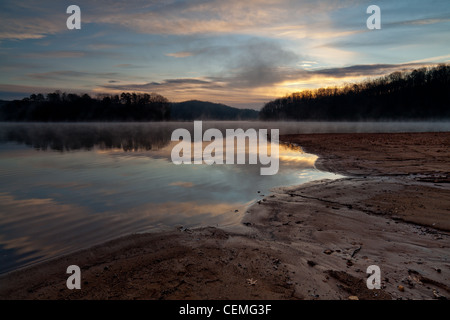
x: 313, y: 241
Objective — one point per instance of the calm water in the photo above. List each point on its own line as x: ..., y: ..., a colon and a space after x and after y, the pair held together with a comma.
x: 64, y: 187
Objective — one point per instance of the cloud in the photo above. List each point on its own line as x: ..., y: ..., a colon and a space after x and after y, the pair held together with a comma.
x: 169, y: 84
x: 365, y: 70
x: 17, y: 28
x: 68, y: 54
x: 54, y: 55
x: 187, y: 81
x: 29, y: 21
x: 124, y: 65
x: 25, y: 21
x: 259, y: 63
x: 102, y: 46
x: 13, y: 88
x: 182, y: 184
x: 67, y: 74
x: 419, y: 22
x: 5, y: 34
x: 245, y: 63
x: 291, y: 19
x: 444, y: 58
x: 255, y: 63
x: 256, y: 17
x: 182, y: 54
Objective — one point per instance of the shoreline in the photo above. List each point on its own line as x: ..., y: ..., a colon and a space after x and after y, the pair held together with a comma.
x: 312, y: 241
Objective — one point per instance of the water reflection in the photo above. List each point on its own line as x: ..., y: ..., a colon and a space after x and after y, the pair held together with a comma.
x: 151, y: 136
x: 77, y: 136
x: 69, y: 186
x: 83, y: 184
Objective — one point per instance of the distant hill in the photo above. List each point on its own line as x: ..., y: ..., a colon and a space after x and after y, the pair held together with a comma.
x: 202, y: 110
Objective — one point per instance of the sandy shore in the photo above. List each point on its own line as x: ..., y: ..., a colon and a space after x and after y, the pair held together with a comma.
x: 313, y: 241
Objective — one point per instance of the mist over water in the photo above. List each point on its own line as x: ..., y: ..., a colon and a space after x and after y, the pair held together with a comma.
x: 67, y: 186
x: 155, y: 135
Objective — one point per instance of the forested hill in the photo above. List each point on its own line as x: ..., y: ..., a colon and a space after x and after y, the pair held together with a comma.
x: 201, y: 110
x: 59, y: 106
x: 70, y: 107
x: 422, y: 94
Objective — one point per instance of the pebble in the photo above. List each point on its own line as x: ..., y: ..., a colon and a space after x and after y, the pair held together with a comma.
x: 311, y: 263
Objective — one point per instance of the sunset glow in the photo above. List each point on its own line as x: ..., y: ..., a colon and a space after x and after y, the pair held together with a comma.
x: 240, y: 53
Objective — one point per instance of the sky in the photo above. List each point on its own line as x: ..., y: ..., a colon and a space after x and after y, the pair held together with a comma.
x: 242, y: 53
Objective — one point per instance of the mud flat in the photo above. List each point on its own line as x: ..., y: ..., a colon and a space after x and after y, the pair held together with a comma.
x: 313, y: 241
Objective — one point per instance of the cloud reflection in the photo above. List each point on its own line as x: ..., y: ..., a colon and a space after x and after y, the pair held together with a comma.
x: 57, y: 202
x: 34, y: 229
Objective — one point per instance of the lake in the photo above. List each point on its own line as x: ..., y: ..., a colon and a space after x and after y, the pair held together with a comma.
x: 67, y: 186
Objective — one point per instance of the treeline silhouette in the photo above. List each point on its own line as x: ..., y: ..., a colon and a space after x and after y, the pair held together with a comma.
x: 418, y: 95
x: 63, y: 107
x: 86, y: 136
x: 59, y: 106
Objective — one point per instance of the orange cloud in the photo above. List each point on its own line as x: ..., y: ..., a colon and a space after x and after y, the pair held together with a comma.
x: 182, y: 54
